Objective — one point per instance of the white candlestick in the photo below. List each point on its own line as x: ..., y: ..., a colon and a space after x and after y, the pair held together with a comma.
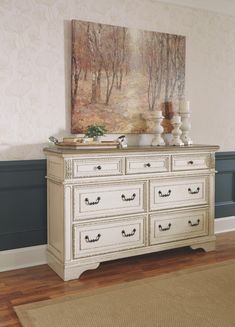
x: 176, y: 132
x: 158, y: 118
x: 185, y: 128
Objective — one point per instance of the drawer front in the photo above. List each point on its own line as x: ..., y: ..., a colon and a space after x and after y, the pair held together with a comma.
x: 108, y: 200
x: 98, y: 167
x: 190, y: 161
x: 147, y: 164
x: 178, y: 192
x: 167, y: 227
x: 108, y: 237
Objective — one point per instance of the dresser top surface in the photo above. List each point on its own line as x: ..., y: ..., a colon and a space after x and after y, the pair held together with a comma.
x: 131, y: 149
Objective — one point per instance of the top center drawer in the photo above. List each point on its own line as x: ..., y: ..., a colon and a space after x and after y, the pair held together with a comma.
x: 147, y: 164
x: 91, y: 167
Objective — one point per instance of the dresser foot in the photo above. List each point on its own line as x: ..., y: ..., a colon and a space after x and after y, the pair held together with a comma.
x: 75, y: 272
x: 207, y: 246
x: 68, y: 272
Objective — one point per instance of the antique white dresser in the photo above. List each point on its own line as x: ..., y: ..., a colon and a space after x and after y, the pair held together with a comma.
x: 110, y: 204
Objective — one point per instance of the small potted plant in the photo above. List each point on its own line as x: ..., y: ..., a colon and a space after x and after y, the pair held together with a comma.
x: 96, y: 131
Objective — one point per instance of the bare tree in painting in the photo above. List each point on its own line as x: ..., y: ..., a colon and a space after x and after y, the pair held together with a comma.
x: 93, y: 45
x: 174, y: 70
x: 174, y: 66
x: 180, y: 65
x: 76, y: 62
x: 123, y: 56
x: 107, y: 50
x: 152, y: 55
x: 113, y: 56
x: 110, y: 60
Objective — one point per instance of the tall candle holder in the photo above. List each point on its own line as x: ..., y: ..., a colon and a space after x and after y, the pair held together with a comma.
x: 176, y: 132
x: 157, y: 117
x: 186, y: 125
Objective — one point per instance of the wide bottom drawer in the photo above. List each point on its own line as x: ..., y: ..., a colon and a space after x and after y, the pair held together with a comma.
x: 104, y: 237
x: 167, y: 227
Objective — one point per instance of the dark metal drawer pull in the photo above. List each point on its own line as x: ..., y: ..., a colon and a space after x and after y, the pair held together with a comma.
x: 190, y: 162
x: 164, y: 229
x: 128, y: 199
x: 92, y: 203
x: 128, y: 235
x: 194, y: 224
x: 99, y: 167
x: 92, y: 240
x: 164, y: 195
x: 194, y: 192
x: 147, y: 164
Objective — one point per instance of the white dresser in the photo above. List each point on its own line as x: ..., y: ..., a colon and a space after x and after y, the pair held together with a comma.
x: 110, y: 204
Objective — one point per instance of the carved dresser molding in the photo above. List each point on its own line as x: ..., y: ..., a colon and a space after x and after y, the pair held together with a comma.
x: 110, y: 204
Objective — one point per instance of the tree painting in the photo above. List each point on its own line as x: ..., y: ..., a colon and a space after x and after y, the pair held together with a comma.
x: 121, y: 75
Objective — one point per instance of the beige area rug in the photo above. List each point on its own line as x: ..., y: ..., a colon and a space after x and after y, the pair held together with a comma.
x: 199, y: 297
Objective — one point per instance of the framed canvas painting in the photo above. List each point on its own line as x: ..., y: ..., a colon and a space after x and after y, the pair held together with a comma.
x: 121, y: 75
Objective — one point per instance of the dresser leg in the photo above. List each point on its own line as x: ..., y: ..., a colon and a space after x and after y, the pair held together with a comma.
x: 68, y: 272
x: 75, y: 272
x: 207, y: 246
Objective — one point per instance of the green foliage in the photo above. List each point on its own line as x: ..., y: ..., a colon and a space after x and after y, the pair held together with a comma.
x: 96, y: 130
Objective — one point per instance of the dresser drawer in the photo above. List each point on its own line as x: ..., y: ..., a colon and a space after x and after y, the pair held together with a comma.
x: 147, y: 164
x: 178, y: 192
x: 108, y: 200
x: 190, y: 161
x: 98, y: 167
x: 167, y: 227
x: 108, y: 237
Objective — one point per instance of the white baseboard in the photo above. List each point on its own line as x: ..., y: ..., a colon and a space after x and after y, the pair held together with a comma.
x: 23, y: 257
x: 224, y: 225
x: 36, y: 255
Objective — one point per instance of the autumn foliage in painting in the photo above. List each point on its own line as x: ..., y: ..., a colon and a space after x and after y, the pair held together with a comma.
x: 121, y: 75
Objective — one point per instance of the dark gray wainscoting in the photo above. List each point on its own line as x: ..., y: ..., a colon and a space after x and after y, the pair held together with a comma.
x: 23, y: 219
x: 225, y: 184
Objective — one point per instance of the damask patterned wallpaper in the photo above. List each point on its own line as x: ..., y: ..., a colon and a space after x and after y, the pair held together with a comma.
x: 35, y: 38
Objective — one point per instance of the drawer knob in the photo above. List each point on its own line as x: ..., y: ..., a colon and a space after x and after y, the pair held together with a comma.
x: 99, y: 167
x: 194, y: 192
x: 128, y: 199
x: 194, y: 224
x: 147, y: 165
x: 92, y: 203
x: 164, y: 195
x: 124, y: 234
x: 190, y: 162
x: 165, y: 228
x: 92, y: 240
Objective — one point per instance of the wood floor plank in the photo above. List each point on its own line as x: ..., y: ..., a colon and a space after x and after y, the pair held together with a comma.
x: 41, y: 283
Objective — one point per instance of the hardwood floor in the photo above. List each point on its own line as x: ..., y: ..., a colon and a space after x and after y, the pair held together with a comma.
x: 41, y: 283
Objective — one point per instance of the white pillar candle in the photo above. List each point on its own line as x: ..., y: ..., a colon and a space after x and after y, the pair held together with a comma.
x: 184, y: 106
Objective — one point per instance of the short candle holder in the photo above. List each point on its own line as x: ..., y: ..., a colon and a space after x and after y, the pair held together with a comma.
x: 157, y: 117
x: 185, y: 128
x: 176, y: 132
